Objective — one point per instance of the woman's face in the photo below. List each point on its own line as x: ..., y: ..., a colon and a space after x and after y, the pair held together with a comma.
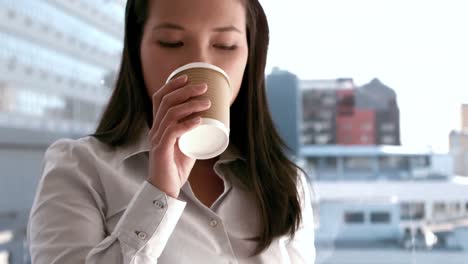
x: 178, y: 32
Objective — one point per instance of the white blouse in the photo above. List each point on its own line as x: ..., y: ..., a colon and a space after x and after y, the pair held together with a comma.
x: 93, y: 205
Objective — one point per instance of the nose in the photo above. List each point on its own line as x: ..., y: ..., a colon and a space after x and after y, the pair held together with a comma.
x: 199, y: 53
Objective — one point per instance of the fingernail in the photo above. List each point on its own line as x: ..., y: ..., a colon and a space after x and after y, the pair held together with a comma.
x: 206, y: 102
x: 182, y: 78
x: 201, y: 87
x: 195, y: 120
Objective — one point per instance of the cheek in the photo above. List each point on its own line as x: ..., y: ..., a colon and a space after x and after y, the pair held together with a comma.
x: 154, y: 73
x: 235, y: 89
x: 237, y: 75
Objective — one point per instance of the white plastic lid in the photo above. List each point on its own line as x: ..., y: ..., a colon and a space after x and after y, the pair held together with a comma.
x: 208, y: 140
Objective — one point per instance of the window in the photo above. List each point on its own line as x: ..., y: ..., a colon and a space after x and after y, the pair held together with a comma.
x: 354, y: 217
x: 366, y: 127
x: 28, y: 21
x: 45, y: 27
x: 358, y: 163
x: 306, y: 139
x: 329, y: 101
x: 11, y: 14
x: 59, y: 34
x: 12, y: 64
x: 438, y: 208
x: 388, y: 140
x: 28, y: 70
x: 72, y: 39
x: 329, y: 162
x: 312, y: 162
x: 388, y: 127
x: 412, y: 211
x: 420, y: 161
x: 322, y: 139
x: 326, y: 115
x: 380, y: 217
x: 347, y: 126
x: 364, y: 139
x: 393, y: 163
x: 453, y: 209
x: 320, y: 126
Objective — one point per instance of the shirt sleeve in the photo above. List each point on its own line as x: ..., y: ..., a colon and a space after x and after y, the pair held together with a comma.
x: 67, y: 223
x: 301, y: 249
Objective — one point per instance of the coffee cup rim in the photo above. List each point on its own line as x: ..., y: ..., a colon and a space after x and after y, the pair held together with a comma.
x: 199, y: 65
x: 207, y: 155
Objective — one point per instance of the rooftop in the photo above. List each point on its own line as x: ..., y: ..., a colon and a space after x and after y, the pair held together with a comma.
x: 381, y: 150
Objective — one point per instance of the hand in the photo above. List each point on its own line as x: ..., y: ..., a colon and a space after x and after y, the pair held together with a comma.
x: 169, y: 168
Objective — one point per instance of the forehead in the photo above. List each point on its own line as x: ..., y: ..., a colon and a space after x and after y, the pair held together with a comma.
x: 198, y: 12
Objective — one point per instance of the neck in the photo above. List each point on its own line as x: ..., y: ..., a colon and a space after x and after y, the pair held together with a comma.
x: 203, y: 171
x: 209, y: 163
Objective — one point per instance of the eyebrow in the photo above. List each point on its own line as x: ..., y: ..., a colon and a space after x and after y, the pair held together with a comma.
x: 178, y: 27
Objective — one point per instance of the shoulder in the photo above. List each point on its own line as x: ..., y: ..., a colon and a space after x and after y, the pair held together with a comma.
x: 78, y: 150
x: 74, y: 160
x: 74, y: 168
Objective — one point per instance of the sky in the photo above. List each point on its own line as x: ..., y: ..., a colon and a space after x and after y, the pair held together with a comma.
x: 417, y: 47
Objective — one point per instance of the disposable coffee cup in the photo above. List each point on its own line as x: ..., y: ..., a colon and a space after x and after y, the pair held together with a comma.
x: 211, y: 137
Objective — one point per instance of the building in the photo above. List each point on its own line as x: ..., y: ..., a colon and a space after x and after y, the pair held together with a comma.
x: 458, y: 143
x: 358, y: 128
x: 54, y: 60
x: 464, y: 116
x: 371, y: 196
x: 384, y: 196
x: 323, y: 101
x: 338, y: 112
x: 367, y: 163
x: 284, y: 99
x: 58, y: 60
x: 334, y: 111
x: 376, y: 96
x: 343, y: 222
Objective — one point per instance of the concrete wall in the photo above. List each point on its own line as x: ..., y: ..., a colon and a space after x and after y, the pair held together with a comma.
x: 334, y: 228
x: 21, y: 155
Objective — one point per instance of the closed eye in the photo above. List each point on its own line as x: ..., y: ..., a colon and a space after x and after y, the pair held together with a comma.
x: 224, y: 47
x: 181, y: 44
x: 170, y: 44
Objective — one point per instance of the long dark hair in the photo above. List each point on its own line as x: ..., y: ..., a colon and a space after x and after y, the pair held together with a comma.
x: 271, y: 176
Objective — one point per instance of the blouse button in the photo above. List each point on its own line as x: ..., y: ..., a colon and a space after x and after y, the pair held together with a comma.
x: 213, y: 223
x: 141, y: 235
x: 159, y: 204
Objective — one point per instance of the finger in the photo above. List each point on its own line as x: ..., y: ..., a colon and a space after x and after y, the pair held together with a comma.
x: 174, y: 131
x: 180, y: 95
x: 180, y: 112
x: 177, y: 97
x: 167, y: 88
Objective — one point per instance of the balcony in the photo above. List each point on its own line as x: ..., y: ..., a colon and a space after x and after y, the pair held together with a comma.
x: 24, y: 26
x: 45, y: 125
x: 44, y: 80
x: 92, y: 15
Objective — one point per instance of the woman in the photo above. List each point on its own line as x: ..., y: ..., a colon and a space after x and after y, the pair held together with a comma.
x: 126, y: 194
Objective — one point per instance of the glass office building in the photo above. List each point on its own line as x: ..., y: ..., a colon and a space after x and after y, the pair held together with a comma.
x: 58, y: 63
x: 58, y: 59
